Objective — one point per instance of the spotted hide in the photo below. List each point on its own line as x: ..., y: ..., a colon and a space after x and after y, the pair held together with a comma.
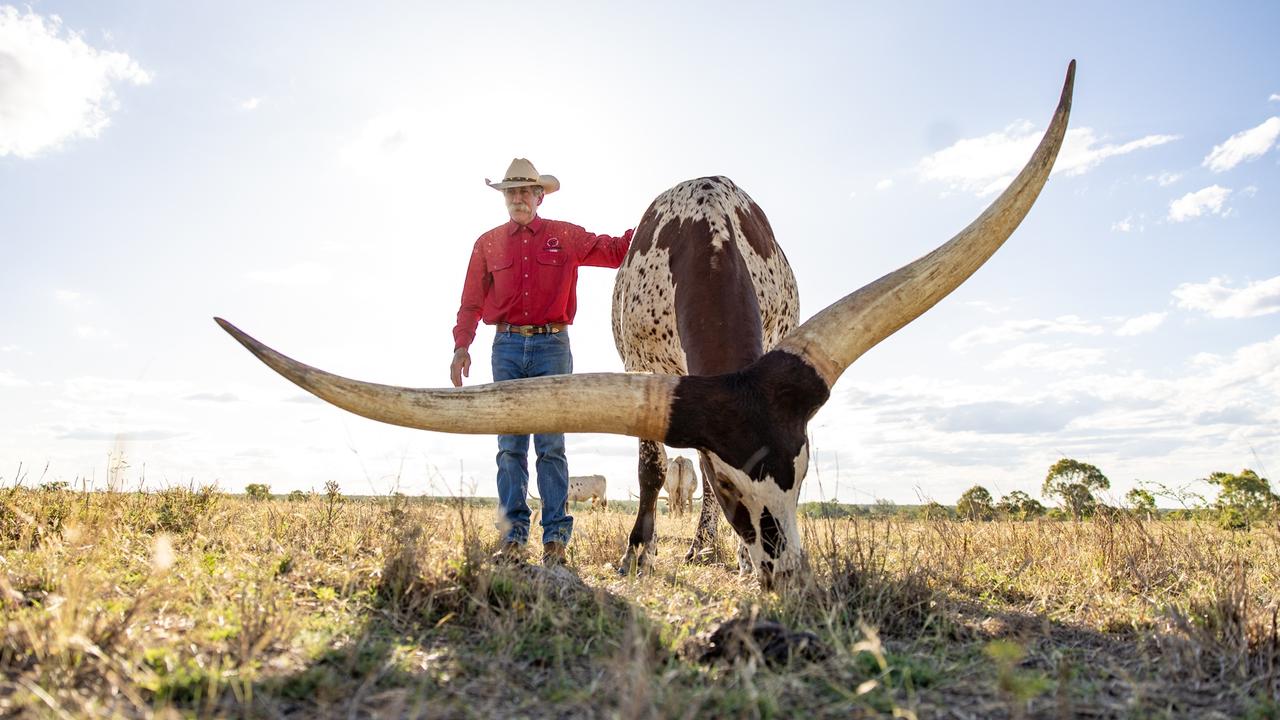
x: 704, y: 290
x: 583, y: 488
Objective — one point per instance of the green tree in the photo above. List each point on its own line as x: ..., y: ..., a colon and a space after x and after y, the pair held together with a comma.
x: 936, y: 511
x: 1141, y: 502
x: 1020, y: 505
x: 884, y: 507
x: 975, y: 504
x: 258, y: 491
x: 1074, y: 482
x: 1243, y: 499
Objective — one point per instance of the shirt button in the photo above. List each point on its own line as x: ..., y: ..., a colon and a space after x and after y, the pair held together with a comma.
x: 526, y: 274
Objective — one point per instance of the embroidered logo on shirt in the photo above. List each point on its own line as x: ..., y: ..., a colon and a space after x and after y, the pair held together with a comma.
x: 553, y: 244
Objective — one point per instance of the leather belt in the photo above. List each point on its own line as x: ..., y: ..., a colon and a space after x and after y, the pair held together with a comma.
x: 527, y: 330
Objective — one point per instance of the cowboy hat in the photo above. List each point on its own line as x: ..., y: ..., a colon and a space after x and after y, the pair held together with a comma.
x: 521, y: 173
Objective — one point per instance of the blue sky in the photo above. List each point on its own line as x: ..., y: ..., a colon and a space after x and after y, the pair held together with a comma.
x: 313, y: 172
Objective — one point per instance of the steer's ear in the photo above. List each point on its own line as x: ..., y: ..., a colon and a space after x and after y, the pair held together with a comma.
x: 835, y: 337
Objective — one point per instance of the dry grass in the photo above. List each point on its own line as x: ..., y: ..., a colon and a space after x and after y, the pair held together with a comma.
x: 201, y: 604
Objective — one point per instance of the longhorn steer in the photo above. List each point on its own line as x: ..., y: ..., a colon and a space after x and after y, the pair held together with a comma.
x: 747, y: 410
x: 588, y: 487
x: 680, y: 484
x: 704, y: 290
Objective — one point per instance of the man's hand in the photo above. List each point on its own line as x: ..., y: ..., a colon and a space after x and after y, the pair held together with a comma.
x: 460, y: 367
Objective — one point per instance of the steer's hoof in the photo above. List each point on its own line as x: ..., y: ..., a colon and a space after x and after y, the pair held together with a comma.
x: 627, y: 565
x: 700, y: 554
x: 637, y: 563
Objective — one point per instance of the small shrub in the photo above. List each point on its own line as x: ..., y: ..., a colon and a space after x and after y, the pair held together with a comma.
x: 180, y: 510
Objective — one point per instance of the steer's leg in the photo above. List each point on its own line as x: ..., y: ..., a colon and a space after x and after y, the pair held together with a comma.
x: 704, y: 538
x: 642, y: 544
x: 745, y: 566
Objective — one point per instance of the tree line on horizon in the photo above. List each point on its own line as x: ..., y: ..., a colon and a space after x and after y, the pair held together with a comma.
x: 1244, y: 498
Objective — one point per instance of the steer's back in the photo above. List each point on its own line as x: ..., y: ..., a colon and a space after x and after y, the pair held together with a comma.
x: 705, y: 288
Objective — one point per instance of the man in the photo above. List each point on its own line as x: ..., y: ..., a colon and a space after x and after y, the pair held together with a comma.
x: 522, y: 278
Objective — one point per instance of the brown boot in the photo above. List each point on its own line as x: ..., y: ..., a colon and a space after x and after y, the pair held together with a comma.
x: 509, y: 553
x: 553, y: 554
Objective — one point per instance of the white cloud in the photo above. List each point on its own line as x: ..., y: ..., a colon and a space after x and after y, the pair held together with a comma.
x: 1141, y: 324
x: 70, y: 298
x: 308, y: 273
x: 1194, y: 204
x: 884, y: 184
x: 223, y: 397
x: 1180, y: 424
x: 987, y: 164
x: 88, y: 332
x: 387, y: 141
x: 1128, y: 225
x: 1165, y: 179
x: 1243, y: 146
x: 1274, y: 97
x: 987, y: 306
x: 1082, y: 153
x: 8, y: 379
x: 53, y: 86
x: 1044, y: 357
x: 1218, y: 300
x: 1255, y: 365
x: 250, y: 104
x: 115, y: 436
x: 1015, y: 329
x: 114, y: 392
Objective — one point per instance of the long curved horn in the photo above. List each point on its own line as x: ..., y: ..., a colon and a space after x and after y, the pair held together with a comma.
x: 831, y: 340
x: 632, y: 404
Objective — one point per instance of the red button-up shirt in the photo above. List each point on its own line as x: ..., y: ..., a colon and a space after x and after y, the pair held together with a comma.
x: 528, y: 274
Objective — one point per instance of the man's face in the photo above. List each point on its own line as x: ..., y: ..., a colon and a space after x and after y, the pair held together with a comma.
x: 522, y: 203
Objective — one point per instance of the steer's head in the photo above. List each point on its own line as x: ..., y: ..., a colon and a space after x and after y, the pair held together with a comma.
x: 753, y: 426
x: 752, y: 423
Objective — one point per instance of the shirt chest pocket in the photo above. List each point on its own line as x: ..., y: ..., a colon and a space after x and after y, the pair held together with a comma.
x: 552, y: 258
x: 551, y: 272
x: 502, y: 270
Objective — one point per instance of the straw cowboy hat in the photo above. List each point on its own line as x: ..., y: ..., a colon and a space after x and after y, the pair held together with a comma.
x: 521, y: 173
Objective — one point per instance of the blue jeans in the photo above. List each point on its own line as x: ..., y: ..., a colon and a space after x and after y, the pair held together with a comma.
x: 514, y: 357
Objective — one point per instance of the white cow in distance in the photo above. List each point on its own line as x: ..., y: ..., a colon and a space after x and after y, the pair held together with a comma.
x: 588, y: 487
x: 680, y: 485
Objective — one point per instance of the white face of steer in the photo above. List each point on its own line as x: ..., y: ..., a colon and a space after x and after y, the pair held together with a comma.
x: 773, y: 535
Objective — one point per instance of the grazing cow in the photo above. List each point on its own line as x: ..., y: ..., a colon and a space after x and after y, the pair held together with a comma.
x: 680, y: 485
x: 588, y: 487
x: 706, y: 291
